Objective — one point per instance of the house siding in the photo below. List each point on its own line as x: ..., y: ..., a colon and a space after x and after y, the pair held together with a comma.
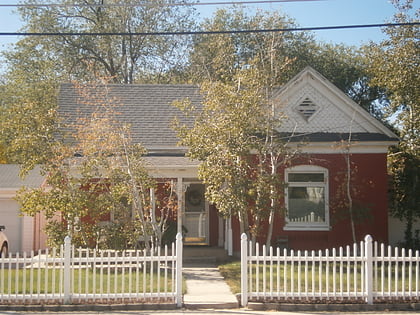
x: 370, y: 188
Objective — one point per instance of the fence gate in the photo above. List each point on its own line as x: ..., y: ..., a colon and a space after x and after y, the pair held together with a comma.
x: 365, y: 272
x: 75, y: 275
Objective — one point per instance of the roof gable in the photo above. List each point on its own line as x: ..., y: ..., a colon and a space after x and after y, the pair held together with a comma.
x: 313, y: 105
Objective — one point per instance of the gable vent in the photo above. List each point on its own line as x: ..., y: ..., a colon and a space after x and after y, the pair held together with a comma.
x: 307, y: 109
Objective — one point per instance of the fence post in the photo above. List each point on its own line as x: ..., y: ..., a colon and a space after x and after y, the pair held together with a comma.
x: 244, y: 270
x: 66, y: 270
x: 368, y: 269
x: 178, y: 272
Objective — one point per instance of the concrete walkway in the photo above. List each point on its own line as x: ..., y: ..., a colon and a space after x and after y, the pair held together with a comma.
x: 206, y: 288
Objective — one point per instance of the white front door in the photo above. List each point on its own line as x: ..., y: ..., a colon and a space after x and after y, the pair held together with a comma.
x: 195, y: 218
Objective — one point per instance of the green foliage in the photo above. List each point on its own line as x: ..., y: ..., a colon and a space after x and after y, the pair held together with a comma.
x: 97, y: 188
x: 282, y: 54
x: 233, y: 137
x: 395, y: 65
x: 405, y: 199
x: 28, y: 117
x: 125, y: 59
x: 222, y: 138
x: 218, y: 57
x: 37, y: 64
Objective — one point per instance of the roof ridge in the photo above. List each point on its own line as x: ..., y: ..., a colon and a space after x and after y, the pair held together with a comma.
x: 136, y: 84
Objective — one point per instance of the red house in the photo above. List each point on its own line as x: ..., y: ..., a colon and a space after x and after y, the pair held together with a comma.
x: 319, y: 114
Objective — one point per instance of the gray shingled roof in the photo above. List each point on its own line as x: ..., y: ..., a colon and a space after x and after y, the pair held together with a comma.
x: 9, y: 177
x: 147, y: 108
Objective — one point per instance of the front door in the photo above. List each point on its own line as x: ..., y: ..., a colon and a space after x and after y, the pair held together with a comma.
x: 196, y: 215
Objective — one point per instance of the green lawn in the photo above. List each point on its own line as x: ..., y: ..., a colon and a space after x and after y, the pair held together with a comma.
x: 84, y: 281
x: 320, y: 283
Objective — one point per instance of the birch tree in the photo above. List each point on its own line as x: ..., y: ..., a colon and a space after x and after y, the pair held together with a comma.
x: 234, y: 136
x: 98, y: 189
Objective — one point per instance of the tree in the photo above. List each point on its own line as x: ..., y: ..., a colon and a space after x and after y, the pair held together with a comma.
x: 28, y: 120
x: 234, y: 138
x: 123, y: 58
x: 98, y: 190
x: 394, y: 65
x: 272, y: 58
x: 221, y: 139
x: 347, y: 202
x: 217, y: 57
x: 37, y: 64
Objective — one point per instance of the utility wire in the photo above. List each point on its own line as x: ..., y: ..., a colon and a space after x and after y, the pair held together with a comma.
x: 275, y: 30
x: 50, y: 5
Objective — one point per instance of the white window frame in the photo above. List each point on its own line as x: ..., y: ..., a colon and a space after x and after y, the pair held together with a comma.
x: 307, y: 226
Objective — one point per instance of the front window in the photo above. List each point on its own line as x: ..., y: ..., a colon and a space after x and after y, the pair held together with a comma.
x: 307, y: 198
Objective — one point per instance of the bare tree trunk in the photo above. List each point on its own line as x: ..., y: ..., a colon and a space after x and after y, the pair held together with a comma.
x: 243, y: 222
x: 157, y: 237
x: 272, y: 204
x: 137, y: 200
x: 349, y: 196
x: 348, y: 183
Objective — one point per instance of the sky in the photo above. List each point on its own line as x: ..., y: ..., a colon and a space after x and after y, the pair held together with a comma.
x: 306, y: 13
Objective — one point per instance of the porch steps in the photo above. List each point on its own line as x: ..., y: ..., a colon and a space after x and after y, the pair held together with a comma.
x: 204, y: 254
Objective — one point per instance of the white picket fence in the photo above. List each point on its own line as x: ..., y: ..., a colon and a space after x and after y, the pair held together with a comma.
x: 366, y: 273
x: 74, y: 275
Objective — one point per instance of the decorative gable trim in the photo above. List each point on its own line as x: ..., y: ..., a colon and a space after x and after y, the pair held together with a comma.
x: 307, y: 109
x: 337, y: 112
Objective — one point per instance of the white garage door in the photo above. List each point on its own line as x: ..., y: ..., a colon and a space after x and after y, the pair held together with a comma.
x: 19, y: 230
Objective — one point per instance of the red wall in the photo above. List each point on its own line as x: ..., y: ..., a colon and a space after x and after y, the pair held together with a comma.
x: 369, y: 184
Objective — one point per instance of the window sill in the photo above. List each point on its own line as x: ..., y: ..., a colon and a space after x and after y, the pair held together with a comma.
x: 307, y: 227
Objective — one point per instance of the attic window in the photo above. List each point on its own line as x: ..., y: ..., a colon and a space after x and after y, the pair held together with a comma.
x: 307, y: 109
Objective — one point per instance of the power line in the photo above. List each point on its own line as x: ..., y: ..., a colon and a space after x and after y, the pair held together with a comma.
x: 276, y: 30
x: 50, y: 5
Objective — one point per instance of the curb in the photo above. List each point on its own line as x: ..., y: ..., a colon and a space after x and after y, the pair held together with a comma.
x: 333, y: 307
x: 89, y: 307
x: 253, y: 306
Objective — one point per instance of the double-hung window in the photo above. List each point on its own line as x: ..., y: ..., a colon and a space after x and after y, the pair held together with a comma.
x: 306, y: 198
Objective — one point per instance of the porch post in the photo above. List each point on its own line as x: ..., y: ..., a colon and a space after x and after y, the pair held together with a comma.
x: 225, y: 240
x: 220, y: 239
x: 228, y: 236
x: 179, y: 192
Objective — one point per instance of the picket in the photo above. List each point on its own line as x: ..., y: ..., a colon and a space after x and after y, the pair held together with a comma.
x: 76, y: 275
x: 366, y: 272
